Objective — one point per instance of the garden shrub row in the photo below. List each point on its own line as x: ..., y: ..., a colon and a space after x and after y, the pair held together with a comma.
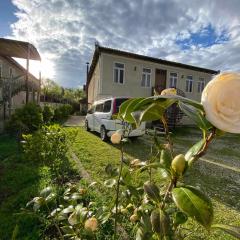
x: 31, y: 117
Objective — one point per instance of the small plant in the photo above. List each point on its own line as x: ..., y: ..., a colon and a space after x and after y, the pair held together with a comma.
x: 49, y: 146
x: 71, y: 214
x: 26, y: 119
x: 62, y: 112
x: 48, y: 114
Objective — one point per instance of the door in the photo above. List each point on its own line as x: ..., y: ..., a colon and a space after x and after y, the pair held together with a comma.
x: 97, y: 117
x: 160, y: 80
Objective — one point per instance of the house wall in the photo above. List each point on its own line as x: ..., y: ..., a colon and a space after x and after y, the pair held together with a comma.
x: 20, y: 98
x: 95, y: 84
x: 133, y: 75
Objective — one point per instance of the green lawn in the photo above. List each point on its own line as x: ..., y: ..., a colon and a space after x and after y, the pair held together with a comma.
x: 224, y: 190
x: 19, y: 182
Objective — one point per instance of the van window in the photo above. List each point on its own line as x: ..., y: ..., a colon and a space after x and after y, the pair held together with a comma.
x: 107, y: 106
x: 118, y: 102
x: 99, y: 107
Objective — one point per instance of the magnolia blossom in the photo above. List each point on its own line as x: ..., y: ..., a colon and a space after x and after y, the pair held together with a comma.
x: 220, y: 101
x: 91, y: 224
x: 169, y: 91
x: 116, y: 137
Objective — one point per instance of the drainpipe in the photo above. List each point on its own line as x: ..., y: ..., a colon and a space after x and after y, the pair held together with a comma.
x: 87, y: 70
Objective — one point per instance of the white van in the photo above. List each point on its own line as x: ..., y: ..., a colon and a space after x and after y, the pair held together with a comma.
x: 99, y: 118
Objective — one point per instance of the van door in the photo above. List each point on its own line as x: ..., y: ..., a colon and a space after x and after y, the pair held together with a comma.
x: 90, y: 117
x: 97, y: 117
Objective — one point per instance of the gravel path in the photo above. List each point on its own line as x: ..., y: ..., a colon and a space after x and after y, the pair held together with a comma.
x: 75, y: 121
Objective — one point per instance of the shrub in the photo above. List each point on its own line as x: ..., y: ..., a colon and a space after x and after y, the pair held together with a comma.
x: 49, y: 146
x: 62, y: 112
x: 48, y: 114
x: 26, y: 119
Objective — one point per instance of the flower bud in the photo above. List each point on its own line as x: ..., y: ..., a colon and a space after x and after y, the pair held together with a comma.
x: 134, y: 218
x: 169, y: 91
x: 178, y: 164
x: 116, y: 138
x: 91, y: 224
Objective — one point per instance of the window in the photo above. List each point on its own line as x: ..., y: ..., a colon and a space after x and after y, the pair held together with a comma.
x: 189, y: 84
x: 107, y: 106
x: 146, y: 77
x: 99, y: 107
x: 173, y: 80
x: 119, y: 73
x: 201, y: 85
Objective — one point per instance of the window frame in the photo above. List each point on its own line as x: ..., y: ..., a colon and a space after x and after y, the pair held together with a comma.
x: 201, y: 84
x: 175, y: 78
x: 188, y: 80
x: 146, y: 74
x: 118, y: 68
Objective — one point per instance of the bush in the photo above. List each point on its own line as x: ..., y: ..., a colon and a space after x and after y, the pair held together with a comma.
x: 26, y: 119
x: 49, y: 146
x: 62, y: 112
x: 48, y: 114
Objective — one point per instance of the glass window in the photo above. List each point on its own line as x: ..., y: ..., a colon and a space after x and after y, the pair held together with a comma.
x: 99, y: 107
x: 201, y: 85
x: 118, y: 102
x: 189, y: 84
x: 146, y: 77
x: 107, y: 106
x: 173, y: 80
x: 118, y: 73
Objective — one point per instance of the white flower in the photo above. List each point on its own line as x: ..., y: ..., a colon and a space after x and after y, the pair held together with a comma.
x: 169, y: 91
x: 116, y: 137
x: 220, y: 99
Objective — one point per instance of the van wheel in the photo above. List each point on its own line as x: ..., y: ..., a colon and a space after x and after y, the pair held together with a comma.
x: 103, y: 133
x: 86, y: 126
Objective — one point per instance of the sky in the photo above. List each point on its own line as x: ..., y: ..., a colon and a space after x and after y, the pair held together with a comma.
x: 205, y: 33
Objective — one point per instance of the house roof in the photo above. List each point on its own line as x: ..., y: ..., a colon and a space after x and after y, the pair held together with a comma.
x: 18, y: 49
x: 18, y: 66
x: 100, y: 49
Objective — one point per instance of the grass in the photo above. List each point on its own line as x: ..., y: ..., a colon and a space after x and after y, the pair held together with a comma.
x: 224, y: 191
x: 20, y: 181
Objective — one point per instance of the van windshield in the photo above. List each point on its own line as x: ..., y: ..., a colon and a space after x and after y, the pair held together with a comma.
x: 118, y: 102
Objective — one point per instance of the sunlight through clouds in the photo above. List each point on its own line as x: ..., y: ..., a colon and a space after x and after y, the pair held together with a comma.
x: 64, y: 31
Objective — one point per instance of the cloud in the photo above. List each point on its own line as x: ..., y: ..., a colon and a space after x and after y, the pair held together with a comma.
x: 64, y: 31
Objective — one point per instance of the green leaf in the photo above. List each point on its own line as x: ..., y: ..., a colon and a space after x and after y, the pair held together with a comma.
x: 110, y: 183
x: 45, y: 192
x: 196, y: 115
x: 166, y: 158
x: 194, y: 203
x: 232, y: 230
x: 126, y: 176
x: 180, y: 218
x: 152, y: 191
x: 153, y: 112
x: 127, y: 116
x: 189, y: 156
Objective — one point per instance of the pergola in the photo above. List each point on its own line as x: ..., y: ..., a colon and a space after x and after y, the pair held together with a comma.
x: 20, y: 49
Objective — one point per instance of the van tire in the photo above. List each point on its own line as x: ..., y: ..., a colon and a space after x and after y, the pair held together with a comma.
x: 103, y: 134
x: 86, y: 126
